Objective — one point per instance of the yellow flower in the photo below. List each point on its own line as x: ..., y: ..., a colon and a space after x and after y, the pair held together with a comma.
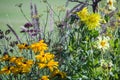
x: 110, y: 4
x: 83, y: 14
x: 52, y: 65
x: 14, y: 70
x: 93, y: 21
x: 44, y: 57
x: 5, y: 57
x: 29, y: 62
x: 39, y: 46
x: 103, y: 42
x: 22, y: 46
x: 41, y: 65
x: 19, y: 61
x: 44, y: 78
x: 5, y: 70
x: 49, y: 56
x: 24, y: 68
x: 12, y: 59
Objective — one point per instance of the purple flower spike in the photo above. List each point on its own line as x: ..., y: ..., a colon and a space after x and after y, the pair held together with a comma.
x: 27, y: 25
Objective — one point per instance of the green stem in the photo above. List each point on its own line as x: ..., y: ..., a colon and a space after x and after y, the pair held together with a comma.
x: 24, y: 14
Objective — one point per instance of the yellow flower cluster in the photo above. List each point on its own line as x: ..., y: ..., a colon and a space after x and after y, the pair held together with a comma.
x: 36, y: 47
x: 19, y: 65
x: 39, y: 46
x: 46, y: 60
x: 91, y: 20
x: 43, y: 60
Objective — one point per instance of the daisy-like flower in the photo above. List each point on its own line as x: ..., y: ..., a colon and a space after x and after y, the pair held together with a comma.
x: 18, y: 61
x: 5, y: 57
x: 22, y: 46
x: 93, y: 21
x: 103, y: 43
x: 41, y: 65
x: 14, y: 69
x: 25, y: 68
x: 110, y: 4
x: 44, y: 57
x: 52, y: 65
x: 39, y: 46
x: 5, y: 70
x: 83, y: 14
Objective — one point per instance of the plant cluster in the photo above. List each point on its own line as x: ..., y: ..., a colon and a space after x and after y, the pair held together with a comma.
x: 82, y: 45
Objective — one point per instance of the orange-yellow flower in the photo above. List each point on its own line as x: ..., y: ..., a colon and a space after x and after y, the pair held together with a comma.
x: 52, y: 65
x: 5, y: 57
x: 5, y: 70
x: 19, y: 61
x: 44, y: 78
x: 44, y: 57
x: 22, y: 46
x: 29, y: 62
x: 39, y: 46
x: 41, y: 65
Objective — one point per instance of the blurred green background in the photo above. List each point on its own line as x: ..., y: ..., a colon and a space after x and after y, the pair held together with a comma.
x: 10, y: 13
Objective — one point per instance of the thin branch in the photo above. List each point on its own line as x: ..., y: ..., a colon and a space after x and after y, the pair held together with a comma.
x: 14, y: 33
x: 80, y: 2
x: 24, y: 14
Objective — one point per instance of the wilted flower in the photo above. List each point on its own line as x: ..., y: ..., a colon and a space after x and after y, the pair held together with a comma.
x: 110, y: 65
x: 103, y: 64
x: 58, y: 73
x: 110, y: 4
